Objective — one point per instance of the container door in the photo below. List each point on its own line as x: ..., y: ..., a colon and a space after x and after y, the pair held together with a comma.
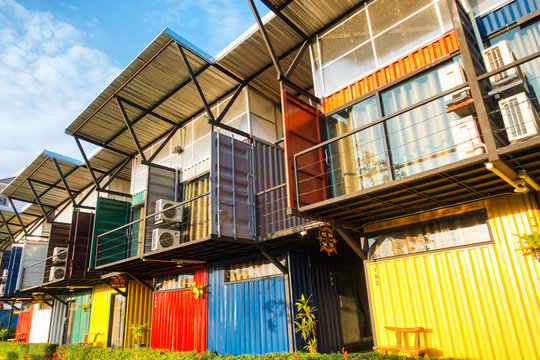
x: 68, y: 325
x: 117, y: 320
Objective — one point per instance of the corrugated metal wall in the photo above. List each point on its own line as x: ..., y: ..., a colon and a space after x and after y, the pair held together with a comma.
x: 57, y: 321
x: 34, y: 252
x: 160, y: 186
x: 41, y: 323
x: 13, y: 270
x: 100, y: 313
x: 81, y: 319
x: 79, y: 245
x: 24, y: 323
x: 271, y: 190
x: 59, y: 237
x: 138, y: 311
x: 327, y: 301
x: 300, y: 280
x: 415, y: 60
x: 179, y: 320
x: 233, y: 200
x: 196, y: 214
x: 247, y: 317
x: 506, y: 15
x: 479, y: 303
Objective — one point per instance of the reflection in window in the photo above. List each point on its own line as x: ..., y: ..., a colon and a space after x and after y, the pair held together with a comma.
x: 250, y: 270
x: 175, y: 281
x: 460, y: 230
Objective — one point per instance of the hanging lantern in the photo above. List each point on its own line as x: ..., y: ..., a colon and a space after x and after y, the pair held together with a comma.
x: 327, y: 241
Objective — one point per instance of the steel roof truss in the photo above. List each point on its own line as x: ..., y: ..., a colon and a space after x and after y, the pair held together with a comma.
x: 230, y: 103
x: 285, y: 19
x: 86, y: 161
x: 68, y: 190
x: 130, y: 128
x: 195, y: 82
x: 146, y: 111
x: 6, y: 225
x: 296, y: 60
x: 37, y: 199
x: 18, y: 216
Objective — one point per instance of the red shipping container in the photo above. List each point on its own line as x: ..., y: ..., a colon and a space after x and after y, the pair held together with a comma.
x: 24, y: 323
x: 178, y: 319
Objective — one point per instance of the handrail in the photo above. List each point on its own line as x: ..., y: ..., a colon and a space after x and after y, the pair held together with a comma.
x: 44, y: 260
x: 153, y: 214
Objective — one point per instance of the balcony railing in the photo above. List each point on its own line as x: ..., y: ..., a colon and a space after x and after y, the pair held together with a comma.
x: 137, y: 237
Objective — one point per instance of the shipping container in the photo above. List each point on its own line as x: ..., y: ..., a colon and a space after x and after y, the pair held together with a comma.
x: 138, y: 310
x: 58, y: 239
x: 107, y: 316
x: 13, y: 270
x: 78, y: 254
x: 58, y: 320
x: 41, y: 323
x: 24, y: 323
x: 33, y: 265
x: 247, y: 309
x: 475, y: 302
x: 178, y: 314
x: 506, y: 15
x: 78, y: 319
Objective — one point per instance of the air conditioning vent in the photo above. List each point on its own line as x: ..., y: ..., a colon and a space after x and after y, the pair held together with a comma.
x: 519, y: 117
x: 5, y: 274
x: 59, y: 254
x: 57, y: 273
x: 164, y: 238
x: 466, y: 137
x: 496, y: 57
x: 449, y: 77
x: 170, y: 215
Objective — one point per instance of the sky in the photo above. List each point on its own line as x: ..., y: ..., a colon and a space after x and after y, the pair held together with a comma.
x: 57, y: 56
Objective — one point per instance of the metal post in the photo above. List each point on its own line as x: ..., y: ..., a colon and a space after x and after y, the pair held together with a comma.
x: 296, y: 60
x: 164, y: 143
x: 130, y: 128
x: 10, y: 314
x: 230, y: 103
x: 18, y: 216
x: 37, y: 199
x: 64, y: 182
x: 86, y: 161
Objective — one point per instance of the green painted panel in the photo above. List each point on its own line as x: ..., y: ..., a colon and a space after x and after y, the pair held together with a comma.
x: 110, y: 214
x: 80, y: 320
x: 138, y: 197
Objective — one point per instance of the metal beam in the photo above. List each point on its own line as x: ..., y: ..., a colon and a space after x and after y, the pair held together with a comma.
x: 18, y: 216
x: 230, y: 103
x: 86, y: 161
x: 266, y: 39
x: 231, y: 129
x: 296, y: 60
x: 37, y: 199
x: 353, y: 244
x: 7, y: 226
x: 194, y: 80
x: 301, y: 91
x: 64, y: 182
x: 142, y: 282
x: 130, y: 128
x: 55, y: 297
x: 272, y: 259
x: 164, y: 143
x: 117, y: 290
x: 285, y: 19
x: 146, y: 111
x: 148, y: 163
x: 106, y: 146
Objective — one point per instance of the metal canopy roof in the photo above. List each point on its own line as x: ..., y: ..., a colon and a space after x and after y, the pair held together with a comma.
x: 13, y: 223
x: 158, y: 94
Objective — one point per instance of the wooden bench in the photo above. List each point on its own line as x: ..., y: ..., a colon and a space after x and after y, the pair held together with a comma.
x: 89, y: 338
x: 402, y: 345
x: 19, y: 337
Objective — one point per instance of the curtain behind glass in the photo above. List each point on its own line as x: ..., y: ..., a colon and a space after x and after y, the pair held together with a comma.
x: 195, y: 218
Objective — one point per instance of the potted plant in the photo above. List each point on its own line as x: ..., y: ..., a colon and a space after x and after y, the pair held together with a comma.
x: 84, y: 307
x: 530, y: 244
x: 197, y: 289
x: 305, y: 322
x: 138, y: 331
x: 4, y: 333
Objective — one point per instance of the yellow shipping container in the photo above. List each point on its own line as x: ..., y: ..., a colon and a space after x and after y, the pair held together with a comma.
x: 139, y: 310
x: 100, y: 312
x: 477, y: 302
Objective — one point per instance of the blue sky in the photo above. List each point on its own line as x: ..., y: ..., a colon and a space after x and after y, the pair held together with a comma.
x: 57, y: 56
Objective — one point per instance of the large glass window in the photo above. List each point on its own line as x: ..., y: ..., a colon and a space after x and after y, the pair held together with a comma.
x: 250, y: 270
x: 460, y: 230
x: 175, y: 281
x: 376, y: 35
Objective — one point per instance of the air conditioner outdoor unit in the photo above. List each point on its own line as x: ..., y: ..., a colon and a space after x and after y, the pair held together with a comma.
x: 5, y: 274
x: 57, y: 273
x: 466, y: 137
x: 2, y: 289
x: 496, y: 57
x: 164, y: 238
x: 519, y: 117
x: 59, y: 253
x: 174, y: 214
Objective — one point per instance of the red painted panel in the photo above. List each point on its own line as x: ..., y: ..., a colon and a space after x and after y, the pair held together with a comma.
x: 24, y: 322
x: 302, y: 131
x: 179, y: 320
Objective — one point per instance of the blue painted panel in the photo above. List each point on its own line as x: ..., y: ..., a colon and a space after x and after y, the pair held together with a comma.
x: 5, y: 259
x: 13, y: 270
x: 506, y: 15
x: 247, y: 317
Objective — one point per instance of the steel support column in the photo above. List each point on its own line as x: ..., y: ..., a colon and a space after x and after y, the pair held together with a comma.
x: 350, y: 241
x: 7, y: 226
x: 79, y: 145
x: 230, y: 103
x: 296, y: 60
x: 285, y: 19
x: 164, y: 143
x: 142, y: 282
x: 18, y: 216
x: 64, y: 182
x: 146, y: 111
x: 37, y: 199
x: 130, y: 128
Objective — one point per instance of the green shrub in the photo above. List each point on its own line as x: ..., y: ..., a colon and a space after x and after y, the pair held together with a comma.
x: 14, y: 351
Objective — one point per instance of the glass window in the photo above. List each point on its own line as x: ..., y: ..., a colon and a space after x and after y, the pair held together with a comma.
x: 237, y: 108
x: 201, y: 127
x: 482, y: 6
x: 460, y: 230
x: 408, y: 35
x: 385, y: 13
x: 201, y: 149
x: 251, y: 270
x: 344, y: 37
x: 175, y: 281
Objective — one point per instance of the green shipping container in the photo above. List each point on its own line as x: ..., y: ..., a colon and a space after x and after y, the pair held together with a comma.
x: 78, y: 320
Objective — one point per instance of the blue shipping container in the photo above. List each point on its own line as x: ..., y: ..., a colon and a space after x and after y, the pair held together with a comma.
x: 246, y: 317
x: 13, y: 270
x: 506, y: 15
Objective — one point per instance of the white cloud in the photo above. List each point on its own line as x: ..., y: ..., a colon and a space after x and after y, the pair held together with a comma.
x: 47, y: 77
